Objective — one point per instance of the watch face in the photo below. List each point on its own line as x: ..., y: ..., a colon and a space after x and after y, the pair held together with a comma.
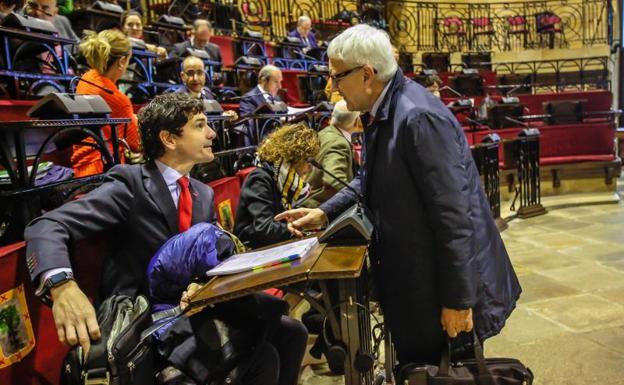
x: 58, y: 278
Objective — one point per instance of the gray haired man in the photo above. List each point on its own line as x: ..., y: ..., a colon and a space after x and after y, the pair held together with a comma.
x: 439, y: 263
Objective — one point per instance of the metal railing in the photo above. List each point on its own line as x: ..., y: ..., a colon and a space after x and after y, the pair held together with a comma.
x: 420, y: 26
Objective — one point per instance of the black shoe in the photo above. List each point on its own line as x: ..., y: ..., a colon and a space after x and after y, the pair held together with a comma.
x: 319, y: 348
x: 173, y: 376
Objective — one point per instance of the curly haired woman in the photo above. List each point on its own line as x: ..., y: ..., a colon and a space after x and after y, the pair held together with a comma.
x: 277, y: 184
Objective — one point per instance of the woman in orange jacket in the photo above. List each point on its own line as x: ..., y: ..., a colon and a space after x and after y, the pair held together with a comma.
x: 108, y: 54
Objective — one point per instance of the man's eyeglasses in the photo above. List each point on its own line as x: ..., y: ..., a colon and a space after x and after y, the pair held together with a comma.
x: 190, y: 74
x: 335, y: 78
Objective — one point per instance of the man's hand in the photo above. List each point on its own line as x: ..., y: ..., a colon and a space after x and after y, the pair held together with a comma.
x: 187, y: 295
x: 230, y: 115
x: 74, y: 316
x: 456, y: 321
x: 302, y: 219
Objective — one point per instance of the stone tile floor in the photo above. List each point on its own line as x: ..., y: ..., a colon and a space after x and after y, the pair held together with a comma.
x: 569, y: 323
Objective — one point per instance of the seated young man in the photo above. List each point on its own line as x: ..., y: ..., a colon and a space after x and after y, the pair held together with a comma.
x: 140, y: 207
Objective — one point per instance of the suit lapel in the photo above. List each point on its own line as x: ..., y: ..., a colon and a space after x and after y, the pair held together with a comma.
x: 158, y: 190
x: 370, y: 139
x: 198, y: 206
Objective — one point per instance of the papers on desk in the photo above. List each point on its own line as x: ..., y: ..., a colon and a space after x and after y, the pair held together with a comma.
x: 257, y: 260
x: 294, y: 110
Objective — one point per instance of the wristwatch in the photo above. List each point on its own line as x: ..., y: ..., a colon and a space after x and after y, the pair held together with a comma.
x: 53, y: 281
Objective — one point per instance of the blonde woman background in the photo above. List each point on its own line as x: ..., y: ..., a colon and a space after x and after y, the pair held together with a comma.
x: 107, y: 53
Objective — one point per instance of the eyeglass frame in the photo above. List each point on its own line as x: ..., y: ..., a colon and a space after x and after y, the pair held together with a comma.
x: 336, y: 78
x: 195, y: 73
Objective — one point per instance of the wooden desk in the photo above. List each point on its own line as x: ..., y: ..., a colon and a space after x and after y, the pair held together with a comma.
x: 344, y: 264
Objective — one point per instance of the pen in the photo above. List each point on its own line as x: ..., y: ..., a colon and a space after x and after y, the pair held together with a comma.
x: 278, y: 262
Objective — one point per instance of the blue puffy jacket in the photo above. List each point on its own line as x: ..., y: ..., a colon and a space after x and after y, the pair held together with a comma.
x: 182, y: 259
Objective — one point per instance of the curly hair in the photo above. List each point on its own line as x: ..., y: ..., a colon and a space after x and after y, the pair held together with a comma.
x: 291, y: 143
x: 169, y: 112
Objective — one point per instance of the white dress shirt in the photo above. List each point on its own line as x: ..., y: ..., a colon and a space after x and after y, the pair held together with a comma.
x: 377, y: 103
x: 268, y: 97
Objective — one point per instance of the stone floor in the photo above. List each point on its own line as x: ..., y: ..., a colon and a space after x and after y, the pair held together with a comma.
x: 569, y: 324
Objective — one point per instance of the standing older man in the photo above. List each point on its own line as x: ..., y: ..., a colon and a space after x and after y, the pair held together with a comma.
x: 269, y: 84
x: 304, y: 32
x: 336, y: 156
x: 200, y: 39
x: 438, y: 259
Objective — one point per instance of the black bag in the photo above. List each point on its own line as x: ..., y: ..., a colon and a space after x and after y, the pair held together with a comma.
x: 217, y: 345
x: 478, y: 371
x: 121, y: 356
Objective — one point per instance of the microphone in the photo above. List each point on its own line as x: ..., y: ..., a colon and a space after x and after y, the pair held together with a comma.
x: 352, y: 227
x: 358, y: 197
x: 77, y: 79
x: 234, y: 21
x: 307, y: 56
x: 243, y: 97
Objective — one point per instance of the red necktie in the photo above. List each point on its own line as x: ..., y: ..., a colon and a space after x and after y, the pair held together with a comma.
x: 185, y: 205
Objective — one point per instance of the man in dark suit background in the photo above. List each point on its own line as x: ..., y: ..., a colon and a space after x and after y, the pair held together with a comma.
x: 437, y: 258
x: 304, y: 32
x: 193, y: 77
x: 200, y: 39
x: 269, y: 84
x: 140, y: 207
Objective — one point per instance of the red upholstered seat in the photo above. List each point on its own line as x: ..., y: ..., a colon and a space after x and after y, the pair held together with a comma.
x: 42, y: 364
x: 242, y: 174
x: 566, y: 143
x: 226, y: 196
x: 547, y: 161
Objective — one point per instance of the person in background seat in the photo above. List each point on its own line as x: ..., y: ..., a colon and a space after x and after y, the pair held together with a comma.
x: 108, y: 54
x: 304, y: 32
x: 269, y: 84
x: 132, y: 26
x: 277, y: 184
x: 200, y: 39
x: 48, y: 10
x: 335, y: 155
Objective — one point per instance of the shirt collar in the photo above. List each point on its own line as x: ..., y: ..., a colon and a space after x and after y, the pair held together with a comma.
x: 346, y: 134
x: 193, y: 43
x: 169, y: 174
x: 373, y: 111
x: 264, y: 94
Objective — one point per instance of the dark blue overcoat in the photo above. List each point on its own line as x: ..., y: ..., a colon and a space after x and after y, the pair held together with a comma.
x: 436, y: 243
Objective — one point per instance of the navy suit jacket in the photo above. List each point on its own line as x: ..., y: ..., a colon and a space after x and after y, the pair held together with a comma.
x: 248, y: 104
x: 213, y: 50
x: 206, y: 94
x: 134, y: 207
x: 311, y: 38
x: 436, y: 243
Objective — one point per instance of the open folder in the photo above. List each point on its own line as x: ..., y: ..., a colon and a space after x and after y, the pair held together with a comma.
x: 261, y: 259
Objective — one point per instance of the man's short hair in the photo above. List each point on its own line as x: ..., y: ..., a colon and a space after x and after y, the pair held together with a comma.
x: 199, y: 22
x: 302, y: 19
x: 342, y: 116
x: 430, y: 80
x: 166, y: 112
x: 266, y: 72
x: 188, y: 59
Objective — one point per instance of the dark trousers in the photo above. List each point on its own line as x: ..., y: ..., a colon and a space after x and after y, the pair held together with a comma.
x: 277, y: 362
